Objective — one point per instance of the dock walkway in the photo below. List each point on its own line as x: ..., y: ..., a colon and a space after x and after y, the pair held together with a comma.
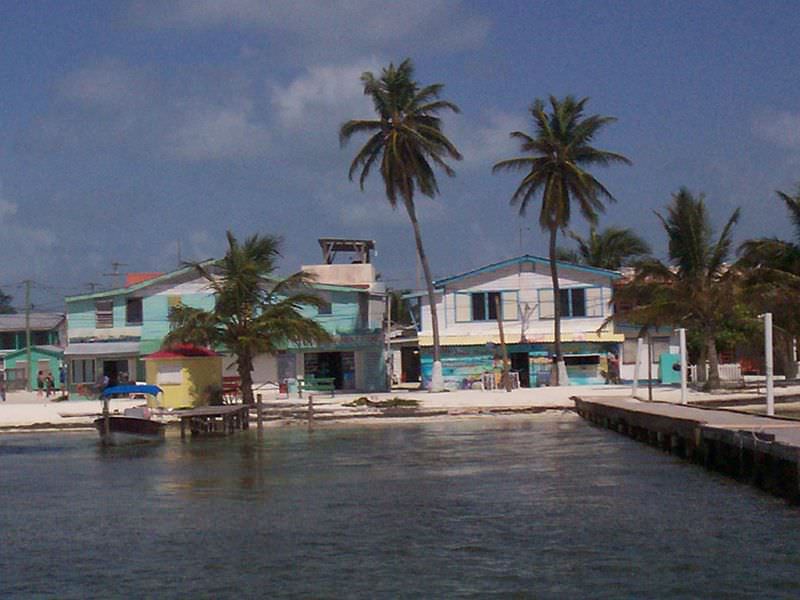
x: 214, y: 419
x: 764, y: 451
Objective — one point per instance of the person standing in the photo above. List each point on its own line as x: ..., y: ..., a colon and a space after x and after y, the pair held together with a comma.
x: 39, y: 384
x: 49, y: 385
x: 3, y: 386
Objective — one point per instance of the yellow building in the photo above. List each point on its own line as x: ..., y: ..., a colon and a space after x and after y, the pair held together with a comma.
x: 186, y: 373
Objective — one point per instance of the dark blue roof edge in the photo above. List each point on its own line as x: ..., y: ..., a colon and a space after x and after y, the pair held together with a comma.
x: 527, y: 258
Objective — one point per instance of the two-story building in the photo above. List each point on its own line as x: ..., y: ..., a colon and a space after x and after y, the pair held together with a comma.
x: 110, y: 332
x: 47, y: 337
x: 518, y: 293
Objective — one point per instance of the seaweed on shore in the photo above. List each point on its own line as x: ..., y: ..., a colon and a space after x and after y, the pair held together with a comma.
x: 390, y: 403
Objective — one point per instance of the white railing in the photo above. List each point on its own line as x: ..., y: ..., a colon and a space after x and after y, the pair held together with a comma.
x: 727, y: 372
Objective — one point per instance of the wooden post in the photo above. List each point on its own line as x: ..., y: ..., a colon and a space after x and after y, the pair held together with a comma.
x: 183, y: 428
x: 106, y: 420
x: 310, y: 410
x: 506, y: 378
x: 649, y: 366
x: 259, y: 417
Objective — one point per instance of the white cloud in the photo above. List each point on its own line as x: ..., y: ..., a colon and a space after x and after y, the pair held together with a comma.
x: 482, y: 143
x: 331, y: 23
x: 324, y: 94
x: 213, y: 133
x: 108, y: 84
x: 779, y: 127
x: 20, y: 239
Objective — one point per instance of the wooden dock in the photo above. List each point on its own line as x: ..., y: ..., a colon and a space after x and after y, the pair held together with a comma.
x: 763, y: 451
x: 224, y: 420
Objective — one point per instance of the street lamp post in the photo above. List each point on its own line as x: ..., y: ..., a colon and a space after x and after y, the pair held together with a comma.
x: 682, y: 342
x: 768, y: 366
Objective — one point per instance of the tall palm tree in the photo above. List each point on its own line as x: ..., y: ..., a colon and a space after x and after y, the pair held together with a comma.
x: 611, y: 248
x: 555, y: 160
x: 253, y: 312
x: 772, y: 268
x: 406, y: 141
x: 696, y: 289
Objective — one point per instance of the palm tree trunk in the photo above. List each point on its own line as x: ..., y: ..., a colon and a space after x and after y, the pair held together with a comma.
x: 244, y: 365
x: 558, y: 358
x: 436, y: 384
x: 713, y: 381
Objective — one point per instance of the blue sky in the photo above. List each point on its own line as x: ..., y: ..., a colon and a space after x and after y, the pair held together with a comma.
x: 129, y: 127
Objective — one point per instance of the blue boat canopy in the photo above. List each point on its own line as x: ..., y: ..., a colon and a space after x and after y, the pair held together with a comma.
x: 131, y: 389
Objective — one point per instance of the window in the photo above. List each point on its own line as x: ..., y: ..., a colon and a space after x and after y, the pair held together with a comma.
x: 133, y: 311
x: 8, y: 341
x: 482, y: 306
x: 40, y: 338
x: 83, y: 371
x: 169, y: 375
x: 326, y: 308
x: 104, y: 314
x: 573, y: 302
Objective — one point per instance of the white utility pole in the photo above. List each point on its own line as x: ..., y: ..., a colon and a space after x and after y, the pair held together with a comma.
x: 768, y: 368
x: 682, y: 341
x: 635, y: 389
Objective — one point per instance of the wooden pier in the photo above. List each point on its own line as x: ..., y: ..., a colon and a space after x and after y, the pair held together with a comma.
x: 762, y: 451
x: 214, y: 419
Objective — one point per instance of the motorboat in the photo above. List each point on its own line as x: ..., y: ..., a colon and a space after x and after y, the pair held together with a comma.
x: 134, y: 425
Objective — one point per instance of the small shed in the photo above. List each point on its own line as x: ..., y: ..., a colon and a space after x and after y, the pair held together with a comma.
x: 186, y: 373
x: 47, y: 359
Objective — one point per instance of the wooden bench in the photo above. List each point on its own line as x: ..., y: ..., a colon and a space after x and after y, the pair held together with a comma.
x: 319, y: 384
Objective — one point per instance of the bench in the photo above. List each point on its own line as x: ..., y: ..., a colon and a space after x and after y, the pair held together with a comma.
x: 319, y: 384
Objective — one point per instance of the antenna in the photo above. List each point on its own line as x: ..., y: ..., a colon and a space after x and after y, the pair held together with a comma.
x: 92, y: 286
x: 115, y: 274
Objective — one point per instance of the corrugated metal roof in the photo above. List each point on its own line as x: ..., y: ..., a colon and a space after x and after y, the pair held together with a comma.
x: 40, y: 321
x: 102, y: 349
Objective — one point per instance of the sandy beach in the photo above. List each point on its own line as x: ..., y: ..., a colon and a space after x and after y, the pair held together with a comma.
x: 24, y: 411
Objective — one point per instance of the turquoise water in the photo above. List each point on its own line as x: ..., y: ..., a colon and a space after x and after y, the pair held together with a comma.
x: 546, y: 507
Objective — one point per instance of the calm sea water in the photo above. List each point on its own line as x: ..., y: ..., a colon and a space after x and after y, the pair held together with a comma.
x: 546, y: 508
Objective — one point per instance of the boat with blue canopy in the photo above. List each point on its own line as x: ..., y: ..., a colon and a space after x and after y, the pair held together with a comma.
x: 136, y: 424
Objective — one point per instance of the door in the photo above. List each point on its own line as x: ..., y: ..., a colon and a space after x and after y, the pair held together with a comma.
x: 521, y: 364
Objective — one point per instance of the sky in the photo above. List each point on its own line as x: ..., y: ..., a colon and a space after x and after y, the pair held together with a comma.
x: 138, y: 132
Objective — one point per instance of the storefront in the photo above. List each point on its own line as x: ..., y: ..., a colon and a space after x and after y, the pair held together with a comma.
x: 464, y: 366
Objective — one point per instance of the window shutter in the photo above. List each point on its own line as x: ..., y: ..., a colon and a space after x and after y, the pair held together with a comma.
x: 510, y: 308
x: 594, y: 302
x: 463, y: 307
x: 546, y: 309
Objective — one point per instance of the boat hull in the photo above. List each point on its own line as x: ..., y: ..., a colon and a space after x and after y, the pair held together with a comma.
x: 129, y: 430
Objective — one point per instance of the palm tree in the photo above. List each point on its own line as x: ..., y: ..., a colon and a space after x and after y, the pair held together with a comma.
x: 555, y: 162
x: 696, y: 289
x: 772, y: 268
x: 407, y: 141
x: 253, y: 313
x: 611, y: 248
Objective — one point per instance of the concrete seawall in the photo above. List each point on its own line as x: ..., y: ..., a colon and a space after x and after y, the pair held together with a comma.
x: 762, y: 451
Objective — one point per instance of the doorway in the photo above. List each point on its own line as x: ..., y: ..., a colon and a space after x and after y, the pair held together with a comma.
x: 116, y: 371
x: 521, y: 364
x: 338, y: 365
x: 409, y: 364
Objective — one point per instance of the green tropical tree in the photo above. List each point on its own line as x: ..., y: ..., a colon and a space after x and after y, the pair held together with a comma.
x: 772, y: 280
x: 406, y: 142
x: 555, y: 162
x: 610, y: 248
x: 696, y: 289
x: 254, y: 313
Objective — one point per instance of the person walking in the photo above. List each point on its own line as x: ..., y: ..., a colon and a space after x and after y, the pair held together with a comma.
x: 3, y: 386
x: 49, y: 385
x: 39, y: 384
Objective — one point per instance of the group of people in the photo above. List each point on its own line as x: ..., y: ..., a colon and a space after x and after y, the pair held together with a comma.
x: 45, y: 384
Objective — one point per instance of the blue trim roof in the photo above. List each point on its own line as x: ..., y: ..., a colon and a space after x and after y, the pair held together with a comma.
x: 527, y: 258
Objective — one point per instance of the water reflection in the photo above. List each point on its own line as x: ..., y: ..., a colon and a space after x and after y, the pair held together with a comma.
x: 545, y: 507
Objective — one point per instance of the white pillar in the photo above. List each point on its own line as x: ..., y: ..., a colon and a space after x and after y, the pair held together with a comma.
x: 682, y: 340
x: 635, y: 389
x: 768, y: 368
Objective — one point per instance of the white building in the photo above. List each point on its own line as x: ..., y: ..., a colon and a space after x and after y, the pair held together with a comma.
x: 520, y: 292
